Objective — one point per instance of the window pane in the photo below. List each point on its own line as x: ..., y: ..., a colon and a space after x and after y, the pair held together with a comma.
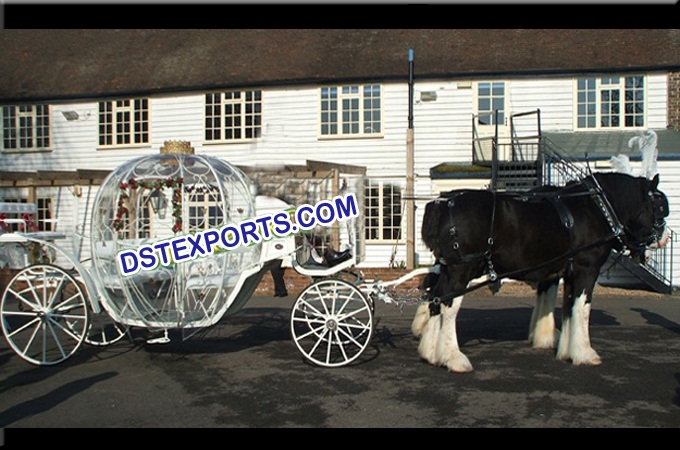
x: 26, y: 127
x: 490, y: 97
x: 354, y: 110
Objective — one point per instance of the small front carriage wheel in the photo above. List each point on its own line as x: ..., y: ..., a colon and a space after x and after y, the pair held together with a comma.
x: 44, y: 314
x: 331, y: 323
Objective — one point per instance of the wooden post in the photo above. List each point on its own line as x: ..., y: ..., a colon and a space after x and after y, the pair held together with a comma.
x: 410, y: 175
x: 410, y: 203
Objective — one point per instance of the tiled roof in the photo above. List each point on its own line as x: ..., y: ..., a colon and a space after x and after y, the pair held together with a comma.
x: 65, y: 64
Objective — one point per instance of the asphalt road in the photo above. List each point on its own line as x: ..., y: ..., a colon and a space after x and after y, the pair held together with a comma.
x: 246, y: 372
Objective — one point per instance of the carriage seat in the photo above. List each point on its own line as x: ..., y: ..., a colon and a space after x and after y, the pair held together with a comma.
x: 331, y: 258
x: 334, y: 258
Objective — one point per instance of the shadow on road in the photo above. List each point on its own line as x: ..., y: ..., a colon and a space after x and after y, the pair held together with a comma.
x: 46, y: 402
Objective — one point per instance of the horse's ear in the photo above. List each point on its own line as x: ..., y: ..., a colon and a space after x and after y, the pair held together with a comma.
x: 655, y: 182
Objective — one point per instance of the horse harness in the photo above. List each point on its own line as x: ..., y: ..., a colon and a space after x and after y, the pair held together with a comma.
x: 555, y: 198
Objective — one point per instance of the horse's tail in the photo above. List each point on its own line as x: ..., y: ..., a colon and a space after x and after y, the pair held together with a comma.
x: 430, y: 228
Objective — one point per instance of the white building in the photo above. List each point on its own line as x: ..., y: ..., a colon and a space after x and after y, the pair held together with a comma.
x: 84, y: 102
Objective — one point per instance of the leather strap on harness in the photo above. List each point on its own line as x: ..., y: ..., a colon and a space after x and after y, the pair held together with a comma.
x: 447, y: 299
x: 479, y: 255
x: 566, y: 218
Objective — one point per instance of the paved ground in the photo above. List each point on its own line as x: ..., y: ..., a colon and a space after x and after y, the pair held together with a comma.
x: 246, y: 372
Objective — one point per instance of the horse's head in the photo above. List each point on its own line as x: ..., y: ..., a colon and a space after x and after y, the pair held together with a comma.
x: 639, y: 205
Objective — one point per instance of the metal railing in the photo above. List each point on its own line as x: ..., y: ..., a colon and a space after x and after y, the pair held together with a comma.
x: 553, y: 167
x: 660, y: 261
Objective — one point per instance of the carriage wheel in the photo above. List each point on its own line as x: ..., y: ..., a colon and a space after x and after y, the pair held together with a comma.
x: 44, y: 314
x: 104, y: 330
x: 331, y: 323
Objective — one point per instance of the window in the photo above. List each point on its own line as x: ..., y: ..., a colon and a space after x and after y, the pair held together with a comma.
x: 44, y: 216
x: 25, y: 127
x: 124, y: 122
x: 610, y: 102
x: 490, y: 98
x: 233, y: 116
x: 382, y: 211
x: 354, y: 110
x: 132, y: 218
x: 205, y: 209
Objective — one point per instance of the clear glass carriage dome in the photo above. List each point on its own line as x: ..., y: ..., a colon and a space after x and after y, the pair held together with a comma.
x: 157, y: 197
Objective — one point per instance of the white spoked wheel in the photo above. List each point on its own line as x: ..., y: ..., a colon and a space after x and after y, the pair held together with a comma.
x: 104, y: 330
x: 44, y: 314
x: 331, y: 323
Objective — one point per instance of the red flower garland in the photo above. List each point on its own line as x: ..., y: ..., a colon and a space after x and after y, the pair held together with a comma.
x: 29, y: 220
x: 157, y: 185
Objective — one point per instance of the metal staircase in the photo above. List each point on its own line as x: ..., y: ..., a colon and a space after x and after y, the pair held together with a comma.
x: 526, y: 159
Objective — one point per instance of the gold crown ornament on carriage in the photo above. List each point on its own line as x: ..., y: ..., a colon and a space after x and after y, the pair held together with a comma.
x: 157, y: 197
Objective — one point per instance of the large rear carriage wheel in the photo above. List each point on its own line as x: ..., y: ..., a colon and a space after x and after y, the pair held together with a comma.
x: 331, y: 323
x: 44, y: 314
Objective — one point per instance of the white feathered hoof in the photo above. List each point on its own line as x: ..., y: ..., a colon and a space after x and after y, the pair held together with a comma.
x: 586, y: 358
x: 459, y: 363
x: 427, y: 348
x: 545, y: 341
x: 420, y: 319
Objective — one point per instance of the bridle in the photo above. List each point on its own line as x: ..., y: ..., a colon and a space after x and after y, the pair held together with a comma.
x: 660, y: 210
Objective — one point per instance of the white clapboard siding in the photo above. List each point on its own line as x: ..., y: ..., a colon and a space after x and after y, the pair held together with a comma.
x: 290, y: 135
x: 554, y: 98
x: 657, y: 100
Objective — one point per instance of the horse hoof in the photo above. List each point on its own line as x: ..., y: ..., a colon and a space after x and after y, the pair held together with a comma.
x: 459, y: 364
x: 460, y: 369
x: 594, y: 361
x: 591, y: 358
x: 543, y: 344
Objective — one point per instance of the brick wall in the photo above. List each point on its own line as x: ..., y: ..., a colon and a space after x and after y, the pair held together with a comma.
x: 674, y: 100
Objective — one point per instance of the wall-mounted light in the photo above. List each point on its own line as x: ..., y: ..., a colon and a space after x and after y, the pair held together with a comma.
x: 70, y: 115
x: 428, y: 96
x: 158, y: 203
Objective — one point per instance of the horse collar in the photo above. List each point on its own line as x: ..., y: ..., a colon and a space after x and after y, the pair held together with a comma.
x: 493, y: 276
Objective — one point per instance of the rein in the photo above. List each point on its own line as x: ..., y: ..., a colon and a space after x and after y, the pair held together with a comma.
x: 598, y: 195
x: 446, y: 299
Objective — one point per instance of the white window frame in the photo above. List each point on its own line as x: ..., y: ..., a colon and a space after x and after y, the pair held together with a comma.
x: 494, y: 98
x: 31, y: 120
x: 381, y: 215
x: 45, y: 213
x: 132, y: 114
x: 351, y: 111
x: 204, y: 201
x: 235, y: 117
x: 144, y: 227
x: 43, y: 217
x: 602, y: 86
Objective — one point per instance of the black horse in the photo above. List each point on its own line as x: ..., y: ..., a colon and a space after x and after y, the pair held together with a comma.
x: 539, y: 237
